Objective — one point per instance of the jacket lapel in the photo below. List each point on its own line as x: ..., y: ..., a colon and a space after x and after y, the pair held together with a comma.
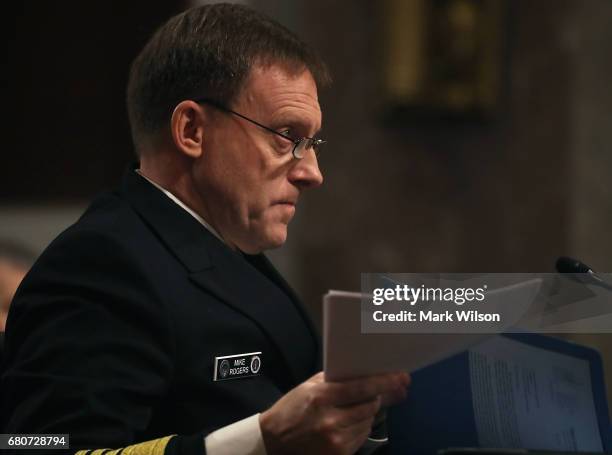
x: 258, y: 293
x: 263, y: 264
x: 247, y: 290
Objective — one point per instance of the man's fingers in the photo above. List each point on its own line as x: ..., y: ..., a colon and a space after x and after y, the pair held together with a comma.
x: 363, y: 389
x: 317, y: 378
x: 327, y: 417
x: 357, y: 413
x: 345, y: 439
x: 357, y: 434
x: 394, y: 397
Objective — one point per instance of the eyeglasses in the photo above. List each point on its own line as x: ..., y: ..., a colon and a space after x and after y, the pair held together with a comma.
x: 300, y: 146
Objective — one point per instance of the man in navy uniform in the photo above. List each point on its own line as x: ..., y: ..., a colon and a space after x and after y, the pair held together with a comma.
x: 156, y: 322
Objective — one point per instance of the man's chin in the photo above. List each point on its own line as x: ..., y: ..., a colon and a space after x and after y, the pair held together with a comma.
x: 274, y: 237
x: 269, y: 240
x: 277, y: 238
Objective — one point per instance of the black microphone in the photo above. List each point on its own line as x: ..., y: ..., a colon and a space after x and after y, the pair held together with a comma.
x: 586, y: 274
x: 571, y: 265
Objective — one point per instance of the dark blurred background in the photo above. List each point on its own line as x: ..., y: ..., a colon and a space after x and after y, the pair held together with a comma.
x: 464, y: 135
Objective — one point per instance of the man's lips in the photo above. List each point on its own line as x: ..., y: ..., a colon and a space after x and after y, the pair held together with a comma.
x: 291, y: 202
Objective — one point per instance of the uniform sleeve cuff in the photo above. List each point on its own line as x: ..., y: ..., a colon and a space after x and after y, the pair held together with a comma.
x: 240, y: 438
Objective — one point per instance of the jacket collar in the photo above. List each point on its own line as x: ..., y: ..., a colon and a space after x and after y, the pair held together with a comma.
x: 184, y: 236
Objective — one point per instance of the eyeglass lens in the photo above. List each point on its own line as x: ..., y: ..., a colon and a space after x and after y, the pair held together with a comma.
x: 305, y: 144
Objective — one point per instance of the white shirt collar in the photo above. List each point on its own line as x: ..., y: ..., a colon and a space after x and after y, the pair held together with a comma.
x: 182, y: 205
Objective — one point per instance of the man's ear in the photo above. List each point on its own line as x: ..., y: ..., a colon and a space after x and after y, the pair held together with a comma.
x: 187, y: 128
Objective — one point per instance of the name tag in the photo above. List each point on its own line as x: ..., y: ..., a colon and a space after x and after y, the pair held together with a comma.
x: 237, y: 366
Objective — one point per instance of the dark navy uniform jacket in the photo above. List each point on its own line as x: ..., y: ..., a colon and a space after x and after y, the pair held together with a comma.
x: 112, y: 335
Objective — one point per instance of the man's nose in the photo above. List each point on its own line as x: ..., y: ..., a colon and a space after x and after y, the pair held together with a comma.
x: 306, y: 173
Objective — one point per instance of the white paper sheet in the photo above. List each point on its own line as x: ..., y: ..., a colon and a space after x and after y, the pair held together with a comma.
x: 350, y: 353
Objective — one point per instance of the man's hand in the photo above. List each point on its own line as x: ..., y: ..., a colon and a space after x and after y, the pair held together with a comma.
x: 329, y: 417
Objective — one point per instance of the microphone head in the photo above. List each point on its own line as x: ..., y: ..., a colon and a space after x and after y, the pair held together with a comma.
x: 570, y: 265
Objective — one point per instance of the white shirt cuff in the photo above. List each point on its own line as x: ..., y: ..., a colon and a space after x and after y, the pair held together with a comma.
x: 240, y: 438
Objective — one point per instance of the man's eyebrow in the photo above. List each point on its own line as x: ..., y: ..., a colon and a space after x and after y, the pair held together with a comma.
x: 300, y: 123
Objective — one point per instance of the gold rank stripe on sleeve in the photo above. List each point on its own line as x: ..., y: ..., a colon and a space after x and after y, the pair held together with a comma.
x: 154, y: 447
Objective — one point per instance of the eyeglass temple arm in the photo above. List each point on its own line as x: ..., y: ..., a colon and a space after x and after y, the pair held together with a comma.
x: 254, y: 122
